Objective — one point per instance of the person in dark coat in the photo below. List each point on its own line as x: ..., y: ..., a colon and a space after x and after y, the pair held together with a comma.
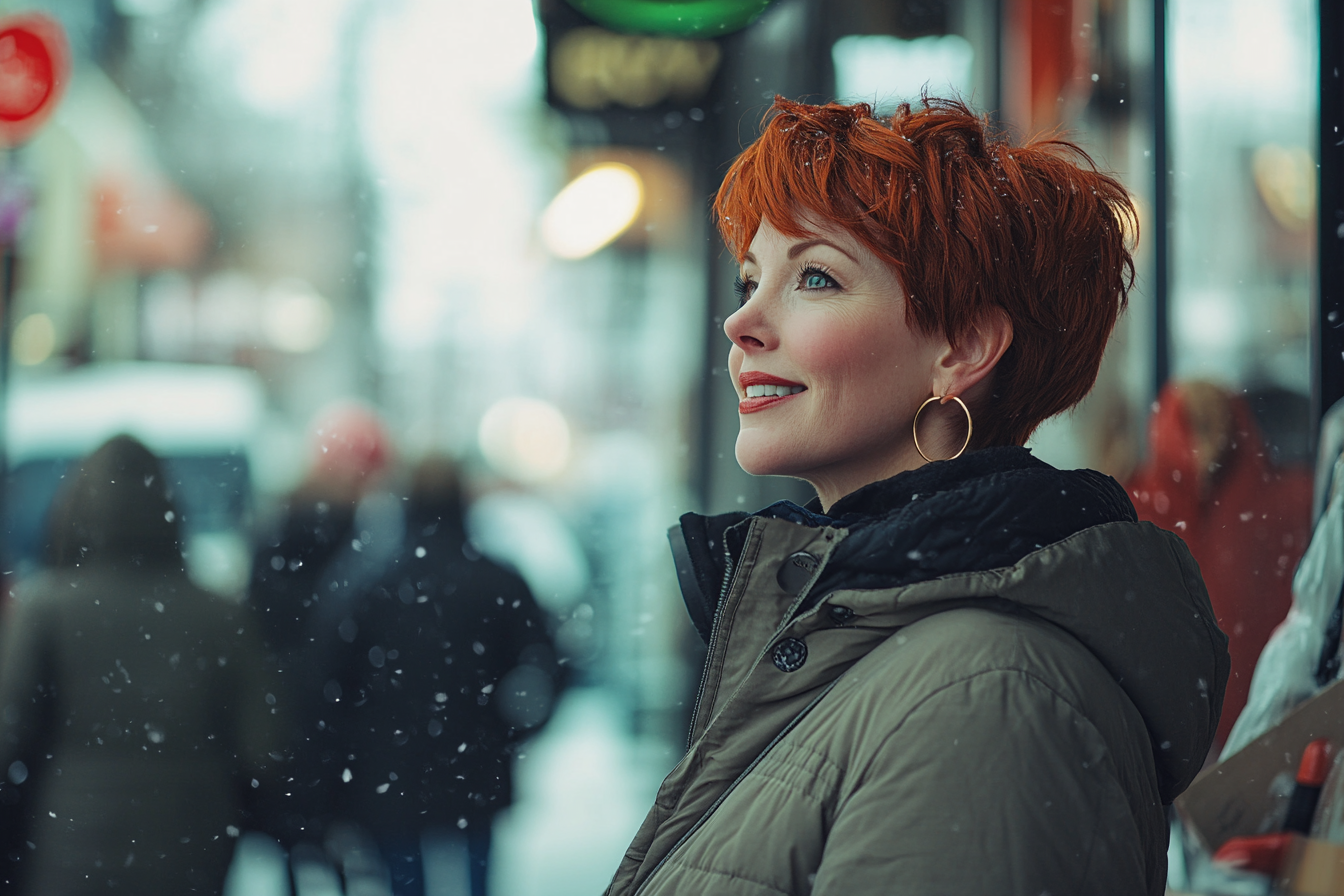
x: 133, y: 705
x: 448, y: 664
x: 350, y: 448
x: 314, y: 553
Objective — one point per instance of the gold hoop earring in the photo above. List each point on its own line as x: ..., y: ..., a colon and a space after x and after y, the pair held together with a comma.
x: 969, y: 427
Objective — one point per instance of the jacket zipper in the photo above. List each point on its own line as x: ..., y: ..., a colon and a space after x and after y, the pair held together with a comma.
x: 713, y: 637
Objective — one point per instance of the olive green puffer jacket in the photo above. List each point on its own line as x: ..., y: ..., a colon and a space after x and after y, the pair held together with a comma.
x: 1000, y: 731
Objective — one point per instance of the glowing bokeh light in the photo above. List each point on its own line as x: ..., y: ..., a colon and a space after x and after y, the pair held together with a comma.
x: 34, y: 339
x: 525, y: 439
x: 296, y: 318
x: 592, y: 210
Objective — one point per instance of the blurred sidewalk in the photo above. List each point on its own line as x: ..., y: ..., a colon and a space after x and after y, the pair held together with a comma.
x: 582, y: 786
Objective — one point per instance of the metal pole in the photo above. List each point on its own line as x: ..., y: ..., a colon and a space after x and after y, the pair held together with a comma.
x: 13, y: 205
x: 1161, y: 203
x: 1327, y: 380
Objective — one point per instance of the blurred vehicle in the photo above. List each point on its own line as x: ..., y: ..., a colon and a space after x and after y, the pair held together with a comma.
x: 202, y: 421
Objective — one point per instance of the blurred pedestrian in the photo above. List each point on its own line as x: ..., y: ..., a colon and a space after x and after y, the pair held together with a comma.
x: 350, y: 448
x: 316, y: 552
x: 1209, y: 478
x: 132, y: 703
x: 449, y: 664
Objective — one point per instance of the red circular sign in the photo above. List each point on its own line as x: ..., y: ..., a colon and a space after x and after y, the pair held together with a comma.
x: 34, y: 67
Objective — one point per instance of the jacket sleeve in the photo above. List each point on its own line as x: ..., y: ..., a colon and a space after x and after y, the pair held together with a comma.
x: 994, y: 784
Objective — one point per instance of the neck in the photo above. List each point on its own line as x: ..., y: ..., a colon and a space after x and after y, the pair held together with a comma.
x: 832, y: 485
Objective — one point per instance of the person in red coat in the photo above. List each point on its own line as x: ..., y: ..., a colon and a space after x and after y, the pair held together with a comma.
x: 1209, y: 479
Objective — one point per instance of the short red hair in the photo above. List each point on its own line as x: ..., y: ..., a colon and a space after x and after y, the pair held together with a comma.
x: 968, y: 221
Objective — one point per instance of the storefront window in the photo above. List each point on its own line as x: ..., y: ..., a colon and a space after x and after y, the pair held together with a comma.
x: 1242, y: 117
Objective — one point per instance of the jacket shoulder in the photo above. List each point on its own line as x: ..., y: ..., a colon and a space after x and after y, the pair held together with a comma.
x: 1011, y: 779
x: 962, y: 644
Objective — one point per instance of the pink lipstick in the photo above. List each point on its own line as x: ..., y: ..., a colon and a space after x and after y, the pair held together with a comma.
x: 765, y: 391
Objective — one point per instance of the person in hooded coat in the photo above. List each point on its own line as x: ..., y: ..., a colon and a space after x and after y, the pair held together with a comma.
x: 133, y: 702
x: 1246, y: 520
x: 958, y: 670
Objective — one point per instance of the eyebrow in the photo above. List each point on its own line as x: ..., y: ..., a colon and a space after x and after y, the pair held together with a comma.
x: 799, y: 248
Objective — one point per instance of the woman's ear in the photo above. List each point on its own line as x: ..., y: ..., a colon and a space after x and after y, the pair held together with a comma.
x: 962, y: 367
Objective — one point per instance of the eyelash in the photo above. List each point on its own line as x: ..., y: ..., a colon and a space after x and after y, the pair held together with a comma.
x: 817, y: 269
x: 744, y: 288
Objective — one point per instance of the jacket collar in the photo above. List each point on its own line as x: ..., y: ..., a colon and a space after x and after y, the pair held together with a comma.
x: 984, y: 510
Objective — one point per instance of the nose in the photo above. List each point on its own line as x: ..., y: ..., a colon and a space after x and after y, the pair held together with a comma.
x: 747, y: 327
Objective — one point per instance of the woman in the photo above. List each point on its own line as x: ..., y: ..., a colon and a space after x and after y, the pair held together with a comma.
x: 958, y: 670
x: 131, y: 703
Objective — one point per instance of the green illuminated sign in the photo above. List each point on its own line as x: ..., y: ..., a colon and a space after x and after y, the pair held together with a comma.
x: 680, y: 18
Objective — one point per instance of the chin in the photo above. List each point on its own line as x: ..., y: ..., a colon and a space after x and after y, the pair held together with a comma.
x: 760, y: 455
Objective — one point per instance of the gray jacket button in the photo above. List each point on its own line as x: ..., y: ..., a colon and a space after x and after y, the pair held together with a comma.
x: 790, y: 654
x: 840, y: 615
x: 795, y: 571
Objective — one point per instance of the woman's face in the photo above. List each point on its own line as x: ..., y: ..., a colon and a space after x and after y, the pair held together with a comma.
x: 828, y: 374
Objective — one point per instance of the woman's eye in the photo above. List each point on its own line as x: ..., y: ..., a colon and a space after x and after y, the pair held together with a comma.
x: 817, y: 280
x: 743, y: 289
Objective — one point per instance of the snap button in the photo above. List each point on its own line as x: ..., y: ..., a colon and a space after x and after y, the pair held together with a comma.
x: 841, y: 615
x: 795, y: 571
x: 790, y: 654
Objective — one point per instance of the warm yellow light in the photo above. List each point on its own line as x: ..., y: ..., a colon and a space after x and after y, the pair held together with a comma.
x: 1286, y: 179
x: 34, y: 339
x: 525, y: 439
x: 592, y: 210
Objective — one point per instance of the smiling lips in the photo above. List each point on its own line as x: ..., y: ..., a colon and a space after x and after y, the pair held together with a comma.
x: 765, y: 391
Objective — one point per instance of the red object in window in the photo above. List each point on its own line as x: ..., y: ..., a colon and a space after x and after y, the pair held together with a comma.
x: 1317, y: 759
x: 34, y: 69
x: 1263, y: 853
x: 1311, y: 774
x: 1047, y: 69
x: 1246, y: 524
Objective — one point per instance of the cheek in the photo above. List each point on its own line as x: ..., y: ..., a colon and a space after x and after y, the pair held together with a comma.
x: 854, y: 357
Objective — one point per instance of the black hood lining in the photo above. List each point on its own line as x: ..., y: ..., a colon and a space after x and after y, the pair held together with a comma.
x: 985, y: 510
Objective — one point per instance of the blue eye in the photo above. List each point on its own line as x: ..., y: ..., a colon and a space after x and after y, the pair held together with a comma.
x: 815, y: 279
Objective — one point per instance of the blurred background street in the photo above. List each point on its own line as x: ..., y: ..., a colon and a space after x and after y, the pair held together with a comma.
x: 482, y: 229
